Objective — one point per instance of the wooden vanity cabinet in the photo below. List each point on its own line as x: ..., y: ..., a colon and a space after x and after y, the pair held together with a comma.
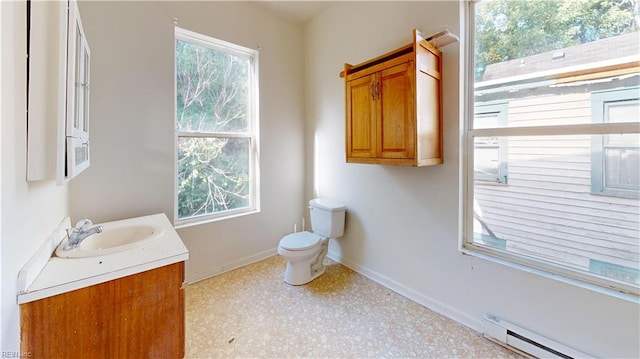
x: 394, y: 107
x: 138, y: 316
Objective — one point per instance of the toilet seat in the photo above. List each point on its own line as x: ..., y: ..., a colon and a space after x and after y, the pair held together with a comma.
x: 300, y: 241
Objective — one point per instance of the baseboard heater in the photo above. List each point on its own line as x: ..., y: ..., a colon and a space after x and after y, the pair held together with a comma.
x: 526, y: 342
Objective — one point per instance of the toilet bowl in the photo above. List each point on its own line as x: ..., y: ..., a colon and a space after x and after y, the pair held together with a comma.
x: 305, y: 251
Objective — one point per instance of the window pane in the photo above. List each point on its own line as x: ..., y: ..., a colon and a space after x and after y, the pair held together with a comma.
x: 485, y: 120
x: 212, y: 89
x: 622, y: 168
x: 626, y: 111
x: 542, y: 56
x: 213, y: 175
x: 486, y: 158
x: 78, y: 110
x: 85, y: 91
x: 489, y: 151
x: 622, y: 151
x: 624, y: 140
x: 549, y: 212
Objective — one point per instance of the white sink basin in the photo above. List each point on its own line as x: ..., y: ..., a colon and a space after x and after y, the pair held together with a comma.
x: 115, y: 237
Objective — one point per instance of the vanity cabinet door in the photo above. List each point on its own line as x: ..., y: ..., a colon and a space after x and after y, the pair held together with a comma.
x: 138, y: 316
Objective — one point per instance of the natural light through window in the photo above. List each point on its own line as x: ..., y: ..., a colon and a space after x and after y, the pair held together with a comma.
x: 216, y: 128
x: 552, y: 178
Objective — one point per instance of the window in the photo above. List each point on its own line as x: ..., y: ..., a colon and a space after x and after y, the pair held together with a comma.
x: 216, y: 128
x: 490, y: 152
x: 552, y: 97
x: 615, y: 159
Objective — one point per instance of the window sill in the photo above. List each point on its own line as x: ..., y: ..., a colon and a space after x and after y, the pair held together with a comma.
x: 184, y: 223
x: 490, y: 183
x: 630, y: 194
x: 555, y: 276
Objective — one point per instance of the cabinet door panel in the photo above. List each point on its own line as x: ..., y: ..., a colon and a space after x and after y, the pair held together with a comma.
x: 360, y: 115
x: 396, y: 138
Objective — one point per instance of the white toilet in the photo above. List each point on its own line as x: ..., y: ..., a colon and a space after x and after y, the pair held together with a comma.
x: 305, y: 251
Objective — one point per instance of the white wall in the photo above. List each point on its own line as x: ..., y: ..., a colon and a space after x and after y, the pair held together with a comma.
x: 30, y: 210
x: 402, y: 223
x: 132, y: 122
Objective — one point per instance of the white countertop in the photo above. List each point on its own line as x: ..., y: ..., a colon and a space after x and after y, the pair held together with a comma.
x: 61, y: 275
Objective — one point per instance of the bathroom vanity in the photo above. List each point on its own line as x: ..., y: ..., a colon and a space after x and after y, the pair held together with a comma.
x: 138, y: 316
x: 123, y: 304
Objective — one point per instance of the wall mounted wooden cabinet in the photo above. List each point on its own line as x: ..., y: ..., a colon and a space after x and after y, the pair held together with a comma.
x: 394, y: 107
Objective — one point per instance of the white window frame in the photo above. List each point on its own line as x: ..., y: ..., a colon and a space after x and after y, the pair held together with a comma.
x: 78, y: 95
x: 252, y: 133
x: 466, y: 240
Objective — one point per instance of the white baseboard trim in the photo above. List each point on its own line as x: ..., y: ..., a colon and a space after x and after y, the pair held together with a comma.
x: 217, y: 270
x: 420, y: 298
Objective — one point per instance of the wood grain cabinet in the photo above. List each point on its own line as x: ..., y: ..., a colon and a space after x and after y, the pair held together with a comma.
x: 394, y: 107
x: 138, y: 316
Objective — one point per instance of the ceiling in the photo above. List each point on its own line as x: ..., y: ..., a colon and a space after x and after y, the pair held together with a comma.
x: 300, y: 11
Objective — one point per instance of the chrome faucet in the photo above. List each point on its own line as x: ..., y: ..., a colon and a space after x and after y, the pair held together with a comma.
x: 80, y: 232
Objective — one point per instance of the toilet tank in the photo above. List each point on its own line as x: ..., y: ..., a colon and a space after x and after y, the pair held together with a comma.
x: 327, y: 217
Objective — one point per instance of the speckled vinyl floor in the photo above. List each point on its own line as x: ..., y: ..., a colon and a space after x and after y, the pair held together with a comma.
x: 251, y: 313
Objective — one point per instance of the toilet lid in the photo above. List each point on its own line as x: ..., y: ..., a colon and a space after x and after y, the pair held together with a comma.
x: 300, y: 241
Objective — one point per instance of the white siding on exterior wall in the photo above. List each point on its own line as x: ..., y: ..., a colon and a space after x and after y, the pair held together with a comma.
x: 550, y: 110
x: 547, y: 207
